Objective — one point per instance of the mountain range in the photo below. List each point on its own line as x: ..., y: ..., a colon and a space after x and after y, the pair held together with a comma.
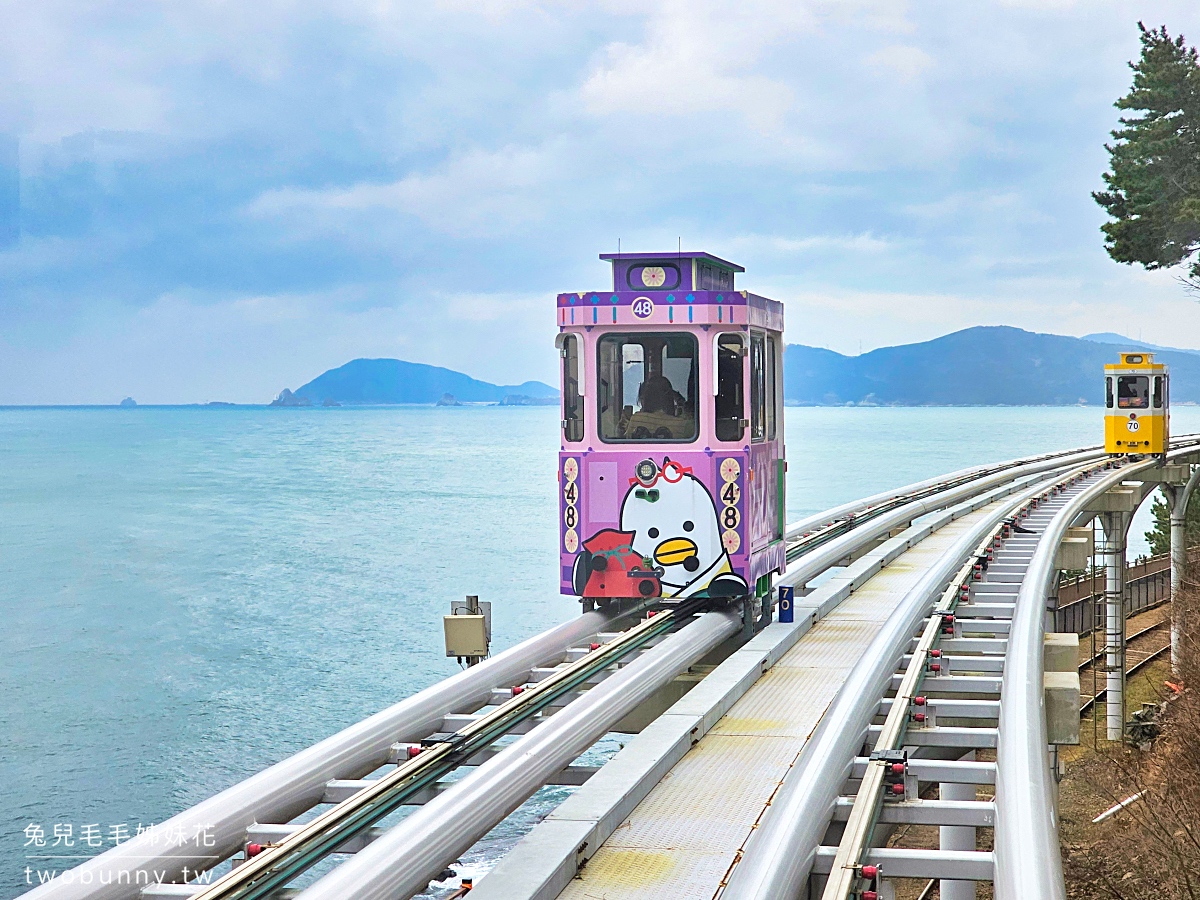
x: 982, y: 366
x: 383, y: 381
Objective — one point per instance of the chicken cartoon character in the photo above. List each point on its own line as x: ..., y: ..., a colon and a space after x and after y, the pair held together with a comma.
x: 674, y: 524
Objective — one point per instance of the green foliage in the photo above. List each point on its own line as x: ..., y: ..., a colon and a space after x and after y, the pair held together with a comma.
x: 1153, y: 195
x: 1159, y: 536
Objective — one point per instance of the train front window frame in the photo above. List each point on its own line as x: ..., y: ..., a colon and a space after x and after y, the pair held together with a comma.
x: 572, y: 388
x: 647, y: 388
x: 729, y: 392
x: 1159, y: 381
x: 772, y: 383
x: 1133, y: 392
x: 1108, y: 392
x: 759, y: 388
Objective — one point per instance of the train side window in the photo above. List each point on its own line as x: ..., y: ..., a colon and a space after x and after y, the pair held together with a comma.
x: 770, y: 397
x: 648, y: 388
x: 1158, y: 391
x: 572, y: 389
x: 1133, y: 392
x: 758, y: 387
x: 728, y: 387
x: 1108, y: 393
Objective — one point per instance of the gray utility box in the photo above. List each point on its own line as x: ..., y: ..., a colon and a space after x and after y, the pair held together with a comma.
x: 468, y: 628
x: 466, y: 635
x: 1060, y: 680
x: 1075, y: 551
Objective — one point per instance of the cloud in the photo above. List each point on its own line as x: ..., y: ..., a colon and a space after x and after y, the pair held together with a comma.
x: 908, y: 63
x: 182, y: 349
x: 218, y: 200
x: 698, y: 60
x: 788, y: 246
x: 476, y: 193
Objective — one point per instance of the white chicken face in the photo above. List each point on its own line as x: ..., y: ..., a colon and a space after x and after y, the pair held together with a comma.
x: 675, y: 525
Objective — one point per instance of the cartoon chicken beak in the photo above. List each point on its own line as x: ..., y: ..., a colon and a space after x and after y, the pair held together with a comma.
x: 674, y: 551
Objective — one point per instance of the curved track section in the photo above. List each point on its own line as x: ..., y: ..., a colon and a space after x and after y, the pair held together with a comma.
x: 683, y: 798
x: 965, y: 675
x: 566, y: 688
x: 1028, y: 864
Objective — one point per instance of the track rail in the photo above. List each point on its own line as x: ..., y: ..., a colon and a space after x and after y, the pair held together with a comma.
x: 903, y: 505
x: 992, y: 635
x: 275, y: 866
x: 1130, y: 669
x: 887, y: 769
x: 785, y: 848
x: 816, y: 531
x: 846, y: 530
x: 1026, y: 852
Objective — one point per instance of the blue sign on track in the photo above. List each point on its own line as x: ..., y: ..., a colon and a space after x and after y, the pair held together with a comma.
x: 787, y: 603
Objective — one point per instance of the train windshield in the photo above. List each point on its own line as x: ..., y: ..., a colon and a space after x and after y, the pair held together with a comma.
x: 648, y: 385
x: 1133, y: 392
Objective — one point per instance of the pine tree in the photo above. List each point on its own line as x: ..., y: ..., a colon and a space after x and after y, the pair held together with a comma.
x: 1159, y: 536
x: 1153, y: 195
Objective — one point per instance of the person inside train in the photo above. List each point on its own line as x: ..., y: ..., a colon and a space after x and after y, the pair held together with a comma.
x: 658, y: 395
x: 1133, y: 392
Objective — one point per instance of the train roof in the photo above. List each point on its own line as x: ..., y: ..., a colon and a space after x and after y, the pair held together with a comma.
x: 1136, y: 359
x: 675, y: 255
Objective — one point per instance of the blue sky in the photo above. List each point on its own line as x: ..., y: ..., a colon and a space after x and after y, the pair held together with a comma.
x: 220, y: 200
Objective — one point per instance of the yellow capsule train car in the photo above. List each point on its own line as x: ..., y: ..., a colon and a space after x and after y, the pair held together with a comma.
x: 1137, y: 405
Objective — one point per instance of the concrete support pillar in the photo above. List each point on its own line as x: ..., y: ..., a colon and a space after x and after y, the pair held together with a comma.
x: 957, y: 837
x: 1115, y: 525
x: 1177, y: 498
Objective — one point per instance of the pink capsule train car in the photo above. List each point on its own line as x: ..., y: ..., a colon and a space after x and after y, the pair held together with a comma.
x: 671, y: 471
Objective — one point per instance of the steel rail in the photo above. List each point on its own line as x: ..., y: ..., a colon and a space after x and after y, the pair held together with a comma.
x: 811, y: 532
x: 846, y: 872
x: 1129, y: 638
x: 303, y: 848
x: 825, y: 517
x: 279, y: 864
x: 402, y: 861
x: 1028, y: 862
x: 823, y: 557
x: 297, y: 783
x: 781, y: 853
x: 1141, y: 662
x: 855, y: 509
x: 1091, y: 701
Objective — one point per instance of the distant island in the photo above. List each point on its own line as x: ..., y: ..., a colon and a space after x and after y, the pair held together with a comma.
x: 981, y: 366
x: 392, y: 381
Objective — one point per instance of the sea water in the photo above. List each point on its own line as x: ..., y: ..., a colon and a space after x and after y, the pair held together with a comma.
x: 189, y: 595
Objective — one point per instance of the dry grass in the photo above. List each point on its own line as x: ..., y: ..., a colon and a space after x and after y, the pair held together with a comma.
x: 1152, y: 848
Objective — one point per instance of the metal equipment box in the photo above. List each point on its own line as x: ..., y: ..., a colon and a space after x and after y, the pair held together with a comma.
x: 466, y: 635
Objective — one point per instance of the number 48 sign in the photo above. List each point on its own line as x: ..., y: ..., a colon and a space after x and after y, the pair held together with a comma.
x: 643, y: 307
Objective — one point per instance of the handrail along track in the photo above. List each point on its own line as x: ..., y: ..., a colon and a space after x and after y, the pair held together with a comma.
x: 888, y: 765
x: 278, y: 864
x: 263, y: 874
